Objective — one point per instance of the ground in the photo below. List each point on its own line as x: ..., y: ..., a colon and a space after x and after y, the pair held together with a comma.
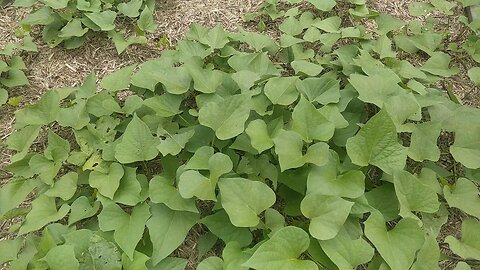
x: 57, y: 67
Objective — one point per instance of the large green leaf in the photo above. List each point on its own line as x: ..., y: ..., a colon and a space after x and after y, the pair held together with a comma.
x: 428, y: 256
x: 137, y: 143
x: 165, y: 105
x: 323, y: 5
x: 219, y: 224
x: 168, y: 229
x: 468, y: 246
x: 438, y: 65
x: 310, y: 123
x: 257, y: 131
x: 423, y: 144
x: 128, y: 228
x: 81, y: 208
x: 162, y: 191
x: 44, y: 210
x: 281, y: 252
x: 104, y: 20
x: 41, y: 113
x: 62, y: 257
x: 466, y: 148
x: 327, y: 214
x: 15, y: 78
x: 289, y: 147
x: 414, y: 195
x: 377, y: 144
x: 65, y: 187
x: 226, y: 117
x: 118, y: 80
x: 347, y: 252
x: 107, y: 183
x: 21, y: 140
x: 102, y: 254
x: 464, y: 195
x: 282, y: 90
x: 192, y: 183
x: 244, y: 200
x: 326, y: 180
x: 9, y: 249
x: 397, y: 246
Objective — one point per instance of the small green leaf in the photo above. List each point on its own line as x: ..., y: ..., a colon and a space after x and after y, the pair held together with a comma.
x: 281, y: 252
x: 466, y: 148
x: 138, y: 262
x: 211, y: 263
x: 473, y: 74
x: 145, y: 21
x: 81, y: 209
x: 118, y: 80
x: 128, y: 228
x: 73, y: 29
x: 260, y: 139
x: 104, y: 20
x: 420, y: 9
x: 244, y: 200
x: 216, y: 38
x: 205, y: 80
x: 14, y: 192
x: 306, y: 67
x: 173, y: 144
x: 137, y: 143
x: 326, y: 180
x: 428, y: 256
x: 3, y: 96
x: 56, y: 4
x: 107, y: 183
x: 21, y: 140
x: 131, y: 8
x: 102, y: 254
x: 165, y: 105
x: 330, y: 24
x: 57, y: 149
x: 289, y: 147
x: 75, y: 116
x: 15, y: 77
x: 323, y: 5
x: 438, y: 65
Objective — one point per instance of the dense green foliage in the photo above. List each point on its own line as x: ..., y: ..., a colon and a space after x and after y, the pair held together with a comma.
x: 12, y: 66
x: 315, y: 152
x: 69, y: 21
